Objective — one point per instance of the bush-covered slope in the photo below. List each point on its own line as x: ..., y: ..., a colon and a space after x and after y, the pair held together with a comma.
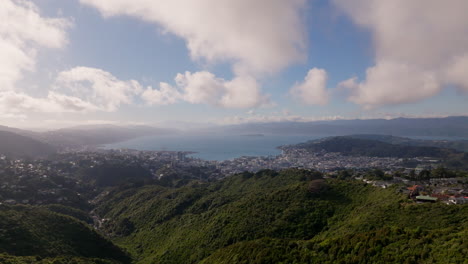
x: 32, y: 232
x: 289, y: 217
x: 376, y: 227
x: 185, y: 225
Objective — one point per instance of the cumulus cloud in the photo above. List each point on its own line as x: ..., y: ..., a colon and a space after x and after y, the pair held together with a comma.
x: 313, y: 90
x: 165, y: 95
x: 238, y: 31
x: 421, y: 46
x: 257, y: 37
x: 80, y: 89
x: 392, y: 83
x: 18, y: 103
x: 97, y: 87
x: 22, y: 31
x: 205, y: 88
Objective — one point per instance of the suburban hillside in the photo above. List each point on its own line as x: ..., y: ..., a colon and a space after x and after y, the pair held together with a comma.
x: 375, y: 146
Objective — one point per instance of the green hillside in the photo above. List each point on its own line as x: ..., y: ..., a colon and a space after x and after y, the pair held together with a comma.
x: 36, y: 235
x: 289, y: 217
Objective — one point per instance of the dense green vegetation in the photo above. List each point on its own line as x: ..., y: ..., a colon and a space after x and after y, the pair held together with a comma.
x: 111, y: 174
x: 29, y: 234
x: 293, y: 216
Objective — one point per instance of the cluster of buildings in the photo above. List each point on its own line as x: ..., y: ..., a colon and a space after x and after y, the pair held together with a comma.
x: 57, y: 179
x: 446, y: 190
x: 300, y: 158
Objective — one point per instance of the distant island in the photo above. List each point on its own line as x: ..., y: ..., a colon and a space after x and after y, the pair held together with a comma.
x: 253, y: 135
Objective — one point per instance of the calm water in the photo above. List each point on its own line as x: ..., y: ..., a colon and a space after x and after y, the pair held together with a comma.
x: 216, y: 147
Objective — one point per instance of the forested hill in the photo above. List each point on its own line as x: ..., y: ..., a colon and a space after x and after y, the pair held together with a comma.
x: 457, y: 144
x: 349, y: 145
x: 36, y: 235
x: 292, y: 216
x: 18, y: 146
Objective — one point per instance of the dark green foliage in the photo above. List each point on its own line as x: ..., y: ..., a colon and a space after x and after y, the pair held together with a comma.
x: 8, y: 259
x: 186, y: 224
x: 32, y: 231
x: 70, y: 211
x: 293, y: 216
x: 111, y: 174
x: 375, y: 227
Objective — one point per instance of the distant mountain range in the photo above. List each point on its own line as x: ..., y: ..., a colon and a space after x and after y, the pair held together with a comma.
x: 431, y: 127
x: 41, y: 143
x: 19, y: 146
x: 100, y: 134
x: 20, y: 143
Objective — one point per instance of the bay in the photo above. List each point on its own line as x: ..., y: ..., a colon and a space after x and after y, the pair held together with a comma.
x: 216, y: 147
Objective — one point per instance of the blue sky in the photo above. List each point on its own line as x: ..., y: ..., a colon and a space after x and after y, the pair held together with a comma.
x: 106, y: 40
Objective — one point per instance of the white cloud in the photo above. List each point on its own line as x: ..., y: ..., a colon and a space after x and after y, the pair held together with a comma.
x: 22, y: 32
x: 259, y: 36
x: 97, y: 87
x: 457, y: 73
x: 421, y: 47
x: 313, y: 90
x: 205, y: 88
x: 201, y: 87
x: 164, y: 96
x: 80, y: 89
x: 392, y: 83
x: 17, y: 103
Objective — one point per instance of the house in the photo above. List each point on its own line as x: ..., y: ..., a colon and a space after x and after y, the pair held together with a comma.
x: 426, y: 199
x: 10, y: 202
x: 458, y: 200
x: 414, y: 190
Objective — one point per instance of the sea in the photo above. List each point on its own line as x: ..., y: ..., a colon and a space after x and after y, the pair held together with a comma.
x: 215, y: 147
x: 227, y: 147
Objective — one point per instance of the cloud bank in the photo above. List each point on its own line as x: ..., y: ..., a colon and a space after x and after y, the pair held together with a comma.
x: 421, y: 47
x: 23, y: 31
x: 256, y: 37
x: 205, y: 88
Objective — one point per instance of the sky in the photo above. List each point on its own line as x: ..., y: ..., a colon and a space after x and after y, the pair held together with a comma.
x: 192, y: 62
